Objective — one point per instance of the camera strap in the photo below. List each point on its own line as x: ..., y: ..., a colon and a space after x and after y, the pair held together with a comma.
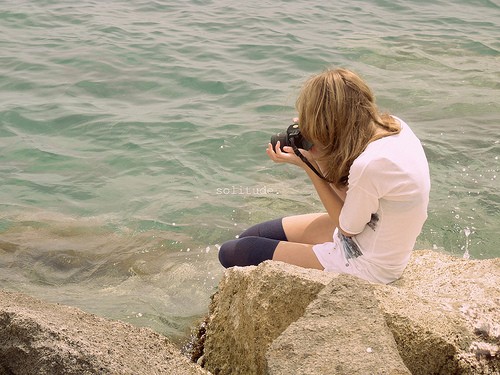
x: 308, y: 163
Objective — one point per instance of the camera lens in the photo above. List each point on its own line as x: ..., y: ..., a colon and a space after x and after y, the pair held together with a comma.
x: 282, y: 138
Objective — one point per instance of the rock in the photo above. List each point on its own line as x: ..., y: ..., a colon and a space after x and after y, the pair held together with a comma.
x: 341, y: 332
x: 430, y: 340
x: 252, y: 307
x: 441, y: 317
x: 42, y: 338
x: 463, y: 308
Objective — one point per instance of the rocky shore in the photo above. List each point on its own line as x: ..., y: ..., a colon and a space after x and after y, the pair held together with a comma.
x: 441, y: 317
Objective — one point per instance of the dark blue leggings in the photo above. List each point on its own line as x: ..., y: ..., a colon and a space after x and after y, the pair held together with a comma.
x: 254, y: 245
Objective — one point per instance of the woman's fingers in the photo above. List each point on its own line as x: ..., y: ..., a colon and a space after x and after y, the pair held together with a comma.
x: 271, y: 152
x: 275, y: 153
x: 279, y: 156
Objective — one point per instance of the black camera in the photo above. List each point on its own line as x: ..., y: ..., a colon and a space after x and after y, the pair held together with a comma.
x: 291, y: 137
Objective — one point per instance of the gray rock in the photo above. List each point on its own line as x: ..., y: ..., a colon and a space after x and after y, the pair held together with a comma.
x: 42, y: 338
x: 452, y: 307
x: 342, y: 332
x: 430, y: 340
x: 252, y: 307
x: 441, y: 317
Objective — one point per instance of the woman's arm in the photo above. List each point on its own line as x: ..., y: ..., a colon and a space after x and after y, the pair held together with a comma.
x: 341, y: 192
x: 328, y: 195
x: 332, y: 201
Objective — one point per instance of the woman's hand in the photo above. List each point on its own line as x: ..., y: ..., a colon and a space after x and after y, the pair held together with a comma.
x: 287, y: 155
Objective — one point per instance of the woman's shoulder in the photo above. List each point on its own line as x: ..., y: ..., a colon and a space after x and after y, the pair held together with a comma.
x: 376, y: 161
x: 385, y: 153
x: 397, y: 154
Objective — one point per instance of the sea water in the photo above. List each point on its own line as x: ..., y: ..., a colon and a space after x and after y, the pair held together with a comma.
x: 133, y: 134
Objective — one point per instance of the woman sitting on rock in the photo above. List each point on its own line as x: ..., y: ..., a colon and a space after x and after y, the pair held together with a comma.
x: 373, y: 182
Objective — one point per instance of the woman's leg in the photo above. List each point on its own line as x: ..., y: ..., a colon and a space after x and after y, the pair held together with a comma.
x: 289, y: 240
x: 309, y: 228
x: 247, y: 251
x: 302, y: 232
x: 269, y: 229
x: 299, y: 254
x: 252, y: 250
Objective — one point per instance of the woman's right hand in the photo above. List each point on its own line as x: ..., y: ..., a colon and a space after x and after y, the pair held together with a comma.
x: 288, y: 155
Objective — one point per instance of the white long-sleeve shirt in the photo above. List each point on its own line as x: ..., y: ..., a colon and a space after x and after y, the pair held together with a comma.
x: 385, y: 208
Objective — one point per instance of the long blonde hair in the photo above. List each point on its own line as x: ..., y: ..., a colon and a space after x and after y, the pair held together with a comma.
x: 337, y: 111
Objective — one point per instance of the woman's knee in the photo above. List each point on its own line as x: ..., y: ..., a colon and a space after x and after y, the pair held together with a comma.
x: 226, y: 253
x: 269, y: 229
x: 247, y: 251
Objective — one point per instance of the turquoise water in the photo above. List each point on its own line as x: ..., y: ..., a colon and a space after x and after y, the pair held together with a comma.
x: 133, y: 135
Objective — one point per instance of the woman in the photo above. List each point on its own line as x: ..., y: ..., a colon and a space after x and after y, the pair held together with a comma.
x: 375, y: 188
